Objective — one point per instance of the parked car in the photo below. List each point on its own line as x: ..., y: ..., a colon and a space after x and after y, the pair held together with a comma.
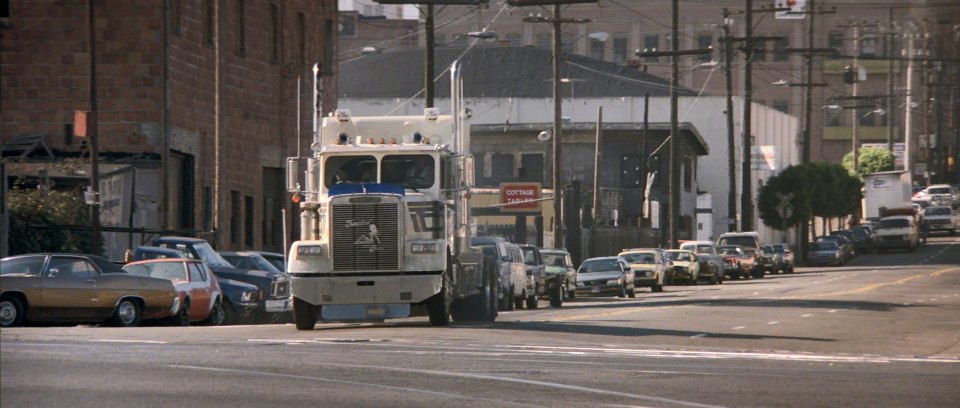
x: 940, y: 218
x: 686, y: 267
x: 740, y: 263
x: 847, y: 250
x: 749, y: 242
x: 240, y: 299
x: 60, y: 287
x: 274, y: 287
x: 249, y: 260
x: 770, y: 260
x: 864, y: 242
x: 939, y: 195
x: 512, y: 271
x: 827, y: 252
x: 536, y: 275
x: 786, y: 257
x: 649, y: 267
x: 200, y: 296
x: 712, y: 266
x: 559, y: 266
x: 608, y: 275
x: 851, y: 238
x: 275, y: 258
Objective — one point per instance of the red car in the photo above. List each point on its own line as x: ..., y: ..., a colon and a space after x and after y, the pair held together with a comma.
x: 739, y: 263
x: 197, y: 287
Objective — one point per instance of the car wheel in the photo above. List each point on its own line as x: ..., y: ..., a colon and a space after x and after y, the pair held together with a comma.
x: 518, y: 302
x: 183, y: 316
x: 572, y: 294
x: 633, y: 292
x: 533, y: 301
x: 216, y: 316
x: 11, y: 312
x: 556, y: 295
x: 127, y: 314
x: 623, y: 291
x: 510, y: 300
x: 713, y: 279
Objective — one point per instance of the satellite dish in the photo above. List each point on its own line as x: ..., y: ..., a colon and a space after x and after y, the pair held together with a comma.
x: 543, y: 136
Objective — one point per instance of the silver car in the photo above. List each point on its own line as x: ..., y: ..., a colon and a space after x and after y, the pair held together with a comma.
x: 608, y: 275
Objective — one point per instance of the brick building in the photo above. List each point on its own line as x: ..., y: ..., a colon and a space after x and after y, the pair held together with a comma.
x: 208, y: 139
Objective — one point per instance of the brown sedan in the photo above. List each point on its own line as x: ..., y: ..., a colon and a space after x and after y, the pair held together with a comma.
x: 79, y: 288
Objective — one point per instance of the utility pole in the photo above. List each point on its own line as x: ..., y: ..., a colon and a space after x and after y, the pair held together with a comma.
x: 855, y: 113
x: 731, y: 145
x: 673, y: 179
x: 890, y: 99
x: 596, y: 184
x: 428, y: 28
x: 95, y: 239
x: 556, y: 21
x: 218, y: 128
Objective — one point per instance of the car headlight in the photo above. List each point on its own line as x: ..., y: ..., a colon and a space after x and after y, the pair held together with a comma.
x: 310, y: 250
x: 648, y: 273
x: 423, y: 248
x: 247, y: 296
x: 618, y: 281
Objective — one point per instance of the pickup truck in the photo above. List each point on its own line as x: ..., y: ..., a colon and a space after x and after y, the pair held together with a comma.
x: 240, y: 298
x: 511, y: 291
x: 273, y: 303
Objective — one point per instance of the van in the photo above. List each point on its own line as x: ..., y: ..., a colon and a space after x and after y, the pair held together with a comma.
x: 512, y: 271
x: 898, y: 231
x: 750, y: 242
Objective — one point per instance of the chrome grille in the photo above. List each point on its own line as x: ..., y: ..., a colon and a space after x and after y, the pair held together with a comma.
x: 366, y: 237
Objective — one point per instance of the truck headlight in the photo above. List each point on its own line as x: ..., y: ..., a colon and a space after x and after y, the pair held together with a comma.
x: 310, y: 250
x: 423, y: 248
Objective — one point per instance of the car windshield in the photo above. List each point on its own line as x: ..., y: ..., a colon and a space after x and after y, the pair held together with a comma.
x: 529, y: 256
x: 682, y: 256
x: 728, y: 250
x: 640, y: 258
x: 939, y: 190
x: 894, y: 223
x: 26, y: 265
x: 767, y: 250
x: 553, y: 259
x: 938, y: 211
x: 173, y: 271
x: 827, y: 245
x: 600, y: 265
x: 744, y: 241
x: 206, y: 253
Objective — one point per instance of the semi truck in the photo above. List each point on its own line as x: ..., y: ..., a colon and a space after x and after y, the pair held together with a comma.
x: 385, y: 220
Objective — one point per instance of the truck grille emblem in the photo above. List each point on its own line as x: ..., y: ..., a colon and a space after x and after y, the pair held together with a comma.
x: 370, y: 239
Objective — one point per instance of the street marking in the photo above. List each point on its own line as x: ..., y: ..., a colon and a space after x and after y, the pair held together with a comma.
x: 128, y: 341
x: 455, y: 375
x: 773, y: 322
x: 806, y: 315
x: 699, y: 335
x: 739, y: 327
x: 907, y: 304
x: 832, y: 311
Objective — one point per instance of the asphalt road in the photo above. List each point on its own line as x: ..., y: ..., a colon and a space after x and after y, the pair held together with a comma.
x: 882, y: 331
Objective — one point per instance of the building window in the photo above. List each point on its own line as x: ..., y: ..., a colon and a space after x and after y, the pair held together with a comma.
x: 835, y: 41
x: 274, y: 33
x: 566, y: 43
x: 301, y: 43
x: 630, y: 171
x: 780, y: 50
x: 514, y: 39
x: 348, y: 25
x: 619, y: 48
x: 248, y: 221
x: 704, y: 41
x: 207, y: 210
x: 782, y: 106
x: 501, y: 168
x: 176, y: 11
x: 545, y: 40
x: 868, y: 46
x: 209, y: 21
x: 687, y: 174
x: 596, y: 49
x: 531, y: 167
x: 328, y: 47
x: 234, y: 217
x: 241, y: 28
x: 651, y: 43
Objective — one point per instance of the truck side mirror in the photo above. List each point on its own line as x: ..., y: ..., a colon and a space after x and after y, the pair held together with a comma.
x: 293, y: 174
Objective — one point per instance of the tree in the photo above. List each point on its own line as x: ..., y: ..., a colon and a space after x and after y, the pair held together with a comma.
x: 818, y: 189
x: 32, y: 207
x: 794, y: 182
x: 871, y: 160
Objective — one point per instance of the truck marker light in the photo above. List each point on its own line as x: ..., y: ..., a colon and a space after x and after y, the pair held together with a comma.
x: 369, y: 140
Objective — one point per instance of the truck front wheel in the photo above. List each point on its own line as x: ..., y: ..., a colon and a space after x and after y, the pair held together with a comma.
x: 304, y: 314
x: 438, y: 307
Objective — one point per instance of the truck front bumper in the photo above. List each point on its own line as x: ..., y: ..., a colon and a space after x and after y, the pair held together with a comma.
x: 357, y: 289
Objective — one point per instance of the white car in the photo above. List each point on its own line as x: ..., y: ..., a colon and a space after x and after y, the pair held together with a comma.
x: 940, y: 218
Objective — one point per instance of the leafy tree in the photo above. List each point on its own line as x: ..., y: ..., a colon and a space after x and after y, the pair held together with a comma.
x: 31, y: 207
x: 870, y: 160
x: 819, y: 189
x: 792, y: 180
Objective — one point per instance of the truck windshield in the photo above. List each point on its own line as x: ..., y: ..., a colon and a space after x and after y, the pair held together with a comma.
x: 350, y: 169
x: 414, y: 171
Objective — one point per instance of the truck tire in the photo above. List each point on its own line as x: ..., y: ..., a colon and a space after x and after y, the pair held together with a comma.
x: 481, y: 307
x: 533, y: 301
x: 518, y: 301
x: 556, y: 295
x: 438, y: 306
x: 304, y: 314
